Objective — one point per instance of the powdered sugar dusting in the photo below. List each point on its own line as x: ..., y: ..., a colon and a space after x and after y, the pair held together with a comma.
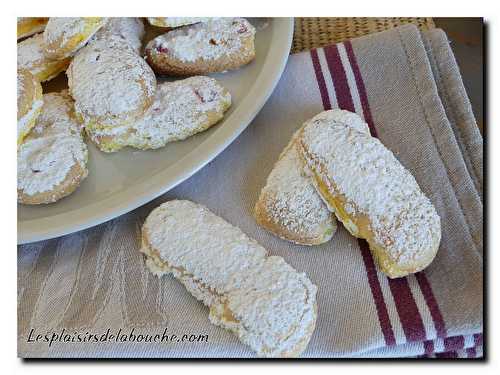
x: 57, y: 117
x: 110, y: 84
x: 181, y: 109
x: 340, y: 117
x: 61, y: 33
x: 176, y: 21
x: 20, y: 86
x: 272, y: 304
x: 291, y: 202
x: 51, y: 149
x: 375, y: 184
x: 129, y: 30
x: 27, y: 91
x: 23, y: 122
x: 44, y: 163
x: 30, y: 54
x: 63, y: 28
x: 206, y: 40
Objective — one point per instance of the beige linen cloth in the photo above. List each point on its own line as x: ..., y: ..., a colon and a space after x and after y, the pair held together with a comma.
x: 407, y: 86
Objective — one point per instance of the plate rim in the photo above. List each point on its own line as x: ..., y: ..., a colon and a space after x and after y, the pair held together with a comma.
x: 274, y: 65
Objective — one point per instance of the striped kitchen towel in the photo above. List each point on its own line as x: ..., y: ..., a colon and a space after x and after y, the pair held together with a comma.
x: 407, y: 86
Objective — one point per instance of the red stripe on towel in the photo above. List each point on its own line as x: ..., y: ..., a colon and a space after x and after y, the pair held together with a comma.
x: 412, y: 323
x: 471, y: 353
x: 432, y: 304
x: 321, y: 80
x: 452, y: 346
x: 447, y: 355
x: 454, y: 343
x: 378, y: 297
x: 478, y: 339
x: 361, y: 88
x: 428, y: 347
x: 339, y: 78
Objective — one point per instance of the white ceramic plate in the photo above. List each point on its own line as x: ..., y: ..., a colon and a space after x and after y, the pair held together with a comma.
x: 119, y: 182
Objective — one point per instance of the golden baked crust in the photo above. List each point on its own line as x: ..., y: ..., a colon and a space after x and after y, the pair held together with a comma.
x: 63, y: 36
x: 31, y: 56
x: 208, y: 47
x: 262, y: 217
x: 27, y: 26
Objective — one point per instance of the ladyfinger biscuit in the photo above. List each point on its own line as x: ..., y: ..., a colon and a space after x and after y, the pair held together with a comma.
x: 373, y: 195
x: 63, y: 36
x: 31, y: 56
x: 217, y: 45
x: 111, y: 86
x: 289, y: 205
x: 181, y: 109
x: 29, y: 102
x: 27, y: 26
x: 263, y: 300
x: 52, y: 160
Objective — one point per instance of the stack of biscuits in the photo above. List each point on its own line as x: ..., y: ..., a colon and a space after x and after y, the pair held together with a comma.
x: 113, y: 97
x: 333, y: 168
